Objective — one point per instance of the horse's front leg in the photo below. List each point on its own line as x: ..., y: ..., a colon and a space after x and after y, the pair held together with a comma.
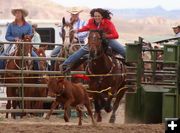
x: 116, y: 105
x: 98, y: 108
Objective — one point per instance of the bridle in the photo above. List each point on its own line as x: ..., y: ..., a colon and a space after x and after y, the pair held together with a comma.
x: 27, y: 51
x: 95, y: 45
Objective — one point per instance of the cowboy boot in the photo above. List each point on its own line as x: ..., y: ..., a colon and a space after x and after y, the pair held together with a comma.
x: 65, y: 69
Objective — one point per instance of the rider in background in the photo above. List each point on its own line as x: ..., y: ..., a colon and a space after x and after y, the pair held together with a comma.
x: 176, y: 30
x: 77, y: 24
x: 36, y: 37
x: 101, y: 20
x: 16, y: 30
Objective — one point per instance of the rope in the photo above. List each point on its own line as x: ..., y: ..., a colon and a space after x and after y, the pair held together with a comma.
x: 90, y: 91
x: 89, y: 75
x: 121, y: 90
x: 109, y: 93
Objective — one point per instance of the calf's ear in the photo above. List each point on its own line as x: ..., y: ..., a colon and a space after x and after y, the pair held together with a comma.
x: 46, y: 78
x: 60, y: 79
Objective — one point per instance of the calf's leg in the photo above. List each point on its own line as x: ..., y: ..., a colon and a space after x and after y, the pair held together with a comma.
x: 79, y: 110
x: 88, y: 107
x: 66, y: 107
x: 53, y: 106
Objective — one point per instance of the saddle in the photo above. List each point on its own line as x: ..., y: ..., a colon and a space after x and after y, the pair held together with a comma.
x: 110, y: 52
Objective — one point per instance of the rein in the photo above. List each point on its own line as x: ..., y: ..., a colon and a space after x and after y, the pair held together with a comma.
x: 89, y: 60
x: 14, y: 60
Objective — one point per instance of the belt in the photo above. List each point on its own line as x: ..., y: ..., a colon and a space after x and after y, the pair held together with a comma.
x: 80, y: 41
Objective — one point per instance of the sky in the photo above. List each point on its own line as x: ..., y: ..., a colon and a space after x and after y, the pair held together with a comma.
x: 121, y: 4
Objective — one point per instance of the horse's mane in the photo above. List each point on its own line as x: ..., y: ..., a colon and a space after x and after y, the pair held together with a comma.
x: 104, y: 40
x: 99, y: 31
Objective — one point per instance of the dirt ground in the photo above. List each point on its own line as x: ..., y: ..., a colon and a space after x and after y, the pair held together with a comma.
x: 57, y: 125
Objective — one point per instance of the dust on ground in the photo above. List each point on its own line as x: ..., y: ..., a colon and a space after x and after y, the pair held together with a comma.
x: 56, y: 124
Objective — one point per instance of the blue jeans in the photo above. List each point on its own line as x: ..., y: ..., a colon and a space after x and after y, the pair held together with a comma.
x: 115, y: 45
x: 3, y: 62
x: 77, y: 55
x: 55, y: 53
x: 4, y: 53
x: 36, y: 62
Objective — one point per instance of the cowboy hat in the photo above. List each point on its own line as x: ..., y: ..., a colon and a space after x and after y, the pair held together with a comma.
x: 74, y: 10
x: 177, y: 26
x: 34, y: 26
x: 24, y: 11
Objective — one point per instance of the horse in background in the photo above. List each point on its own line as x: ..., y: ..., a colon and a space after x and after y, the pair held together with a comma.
x: 67, y: 36
x: 104, y: 88
x: 69, y: 47
x: 41, y: 92
x: 70, y: 42
x: 15, y: 64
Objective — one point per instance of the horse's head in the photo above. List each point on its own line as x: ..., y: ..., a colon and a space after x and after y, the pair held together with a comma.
x: 27, y: 46
x: 67, y: 32
x: 27, y: 49
x: 95, y: 43
x: 42, y: 63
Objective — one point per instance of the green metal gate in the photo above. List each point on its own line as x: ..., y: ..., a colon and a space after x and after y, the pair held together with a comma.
x: 151, y: 102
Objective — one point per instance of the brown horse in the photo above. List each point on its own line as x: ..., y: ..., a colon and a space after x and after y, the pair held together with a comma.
x: 14, y: 64
x: 41, y: 53
x: 40, y: 92
x: 104, y: 88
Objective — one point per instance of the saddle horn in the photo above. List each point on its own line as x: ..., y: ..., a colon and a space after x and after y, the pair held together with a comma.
x: 63, y: 21
x: 23, y: 35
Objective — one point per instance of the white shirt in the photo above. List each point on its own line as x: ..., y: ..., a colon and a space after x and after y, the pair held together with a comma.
x: 36, y: 39
x: 178, y: 34
x: 78, y: 25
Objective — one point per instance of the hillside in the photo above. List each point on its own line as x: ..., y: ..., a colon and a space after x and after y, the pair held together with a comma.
x: 129, y: 29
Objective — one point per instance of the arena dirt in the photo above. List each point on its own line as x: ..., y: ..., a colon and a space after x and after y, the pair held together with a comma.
x: 57, y: 125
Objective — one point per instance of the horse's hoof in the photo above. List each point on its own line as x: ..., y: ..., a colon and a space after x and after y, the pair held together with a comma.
x: 112, y: 120
x: 99, y: 119
x: 47, y: 117
x: 79, y: 124
x: 94, y: 123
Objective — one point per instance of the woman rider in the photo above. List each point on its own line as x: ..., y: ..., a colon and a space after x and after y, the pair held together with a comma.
x: 16, y: 30
x: 101, y: 20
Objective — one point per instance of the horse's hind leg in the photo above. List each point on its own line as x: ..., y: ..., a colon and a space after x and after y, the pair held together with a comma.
x: 116, y: 105
x: 14, y: 105
x: 8, y: 106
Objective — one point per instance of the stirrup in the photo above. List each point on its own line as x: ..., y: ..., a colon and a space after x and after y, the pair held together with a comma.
x: 65, y: 69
